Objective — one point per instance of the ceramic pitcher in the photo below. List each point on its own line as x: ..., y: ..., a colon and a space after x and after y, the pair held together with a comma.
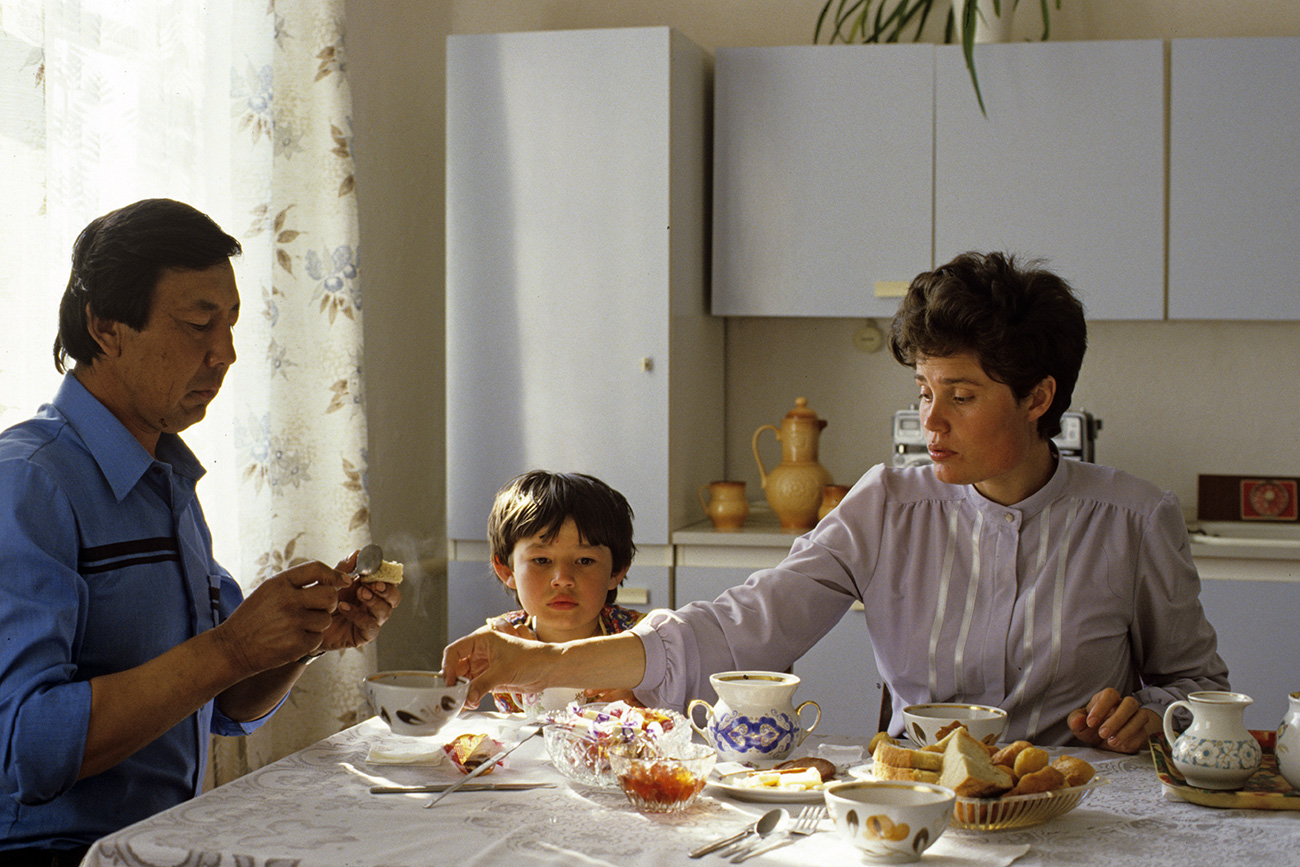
x: 1216, y: 751
x: 754, y: 718
x: 725, y: 505
x: 831, y: 496
x: 1288, y: 743
x: 794, y: 487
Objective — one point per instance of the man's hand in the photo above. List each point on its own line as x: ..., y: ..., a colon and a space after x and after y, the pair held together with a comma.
x: 362, y: 609
x: 1114, y: 723
x: 284, y: 619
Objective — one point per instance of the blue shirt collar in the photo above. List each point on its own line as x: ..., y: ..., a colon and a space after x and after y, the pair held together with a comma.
x: 121, y: 457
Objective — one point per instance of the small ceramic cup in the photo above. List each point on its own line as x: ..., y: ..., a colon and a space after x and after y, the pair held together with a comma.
x: 890, y: 822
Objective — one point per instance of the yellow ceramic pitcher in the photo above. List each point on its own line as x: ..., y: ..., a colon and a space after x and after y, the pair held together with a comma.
x: 794, y: 487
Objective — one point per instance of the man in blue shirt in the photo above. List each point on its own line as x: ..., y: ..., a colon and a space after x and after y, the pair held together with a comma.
x: 122, y: 642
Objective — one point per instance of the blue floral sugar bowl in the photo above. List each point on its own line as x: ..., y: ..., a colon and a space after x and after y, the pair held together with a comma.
x: 1216, y: 751
x: 754, y: 718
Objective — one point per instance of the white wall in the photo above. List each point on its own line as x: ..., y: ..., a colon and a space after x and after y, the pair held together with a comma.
x: 1176, y: 399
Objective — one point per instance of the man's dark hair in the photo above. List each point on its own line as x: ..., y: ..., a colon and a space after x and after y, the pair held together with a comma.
x: 117, y: 261
x: 1022, y: 324
x: 539, y: 502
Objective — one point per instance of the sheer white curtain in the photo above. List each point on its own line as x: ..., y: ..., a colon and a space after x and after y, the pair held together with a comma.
x: 243, y: 110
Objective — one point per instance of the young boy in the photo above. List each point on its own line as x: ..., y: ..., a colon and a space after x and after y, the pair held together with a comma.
x: 563, y: 543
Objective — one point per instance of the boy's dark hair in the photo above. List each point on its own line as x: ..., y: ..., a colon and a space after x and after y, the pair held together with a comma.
x: 538, y: 503
x: 1022, y: 324
x: 117, y: 261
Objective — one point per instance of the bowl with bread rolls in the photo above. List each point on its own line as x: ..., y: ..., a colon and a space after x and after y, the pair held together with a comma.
x: 927, y: 724
x: 1012, y: 786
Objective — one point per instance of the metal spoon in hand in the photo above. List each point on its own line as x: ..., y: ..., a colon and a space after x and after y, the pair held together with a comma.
x: 764, y: 826
x: 369, y: 559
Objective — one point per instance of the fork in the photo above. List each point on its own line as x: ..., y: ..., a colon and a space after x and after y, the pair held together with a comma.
x: 804, y: 824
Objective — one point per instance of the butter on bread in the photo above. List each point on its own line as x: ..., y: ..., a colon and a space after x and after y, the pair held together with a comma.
x: 389, y: 572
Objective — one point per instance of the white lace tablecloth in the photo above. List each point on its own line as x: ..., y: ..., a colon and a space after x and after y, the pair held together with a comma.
x: 315, y: 809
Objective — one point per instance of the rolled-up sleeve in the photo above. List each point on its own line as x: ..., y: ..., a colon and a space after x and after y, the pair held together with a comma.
x: 44, y: 711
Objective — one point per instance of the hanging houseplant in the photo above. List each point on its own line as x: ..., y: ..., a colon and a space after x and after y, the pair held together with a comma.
x: 865, y: 21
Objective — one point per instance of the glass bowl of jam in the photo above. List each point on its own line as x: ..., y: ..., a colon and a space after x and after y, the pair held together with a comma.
x: 662, y: 779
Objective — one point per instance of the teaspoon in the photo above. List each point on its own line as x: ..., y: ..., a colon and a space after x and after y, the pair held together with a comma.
x: 764, y: 826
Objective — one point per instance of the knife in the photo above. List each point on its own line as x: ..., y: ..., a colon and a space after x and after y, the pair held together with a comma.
x: 442, y: 787
x: 484, y: 768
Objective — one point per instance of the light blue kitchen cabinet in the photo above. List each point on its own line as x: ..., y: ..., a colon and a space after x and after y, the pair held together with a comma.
x: 821, y: 178
x: 1234, y: 178
x: 1067, y: 166
x: 839, y: 672
x: 577, y: 332
x: 1255, y: 624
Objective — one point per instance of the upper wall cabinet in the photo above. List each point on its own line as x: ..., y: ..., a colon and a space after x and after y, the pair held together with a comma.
x: 1234, y: 179
x: 822, y: 178
x: 1067, y: 166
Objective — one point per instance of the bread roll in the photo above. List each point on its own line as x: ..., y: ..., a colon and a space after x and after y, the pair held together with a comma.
x: 1007, y: 755
x: 1048, y: 779
x: 1075, y: 770
x: 1029, y: 760
x: 880, y: 738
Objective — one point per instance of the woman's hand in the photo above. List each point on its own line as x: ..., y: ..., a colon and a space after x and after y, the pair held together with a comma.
x: 495, y: 661
x: 1114, y: 723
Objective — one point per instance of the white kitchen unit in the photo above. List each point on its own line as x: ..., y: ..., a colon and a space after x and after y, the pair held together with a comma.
x: 1067, y: 166
x: 1234, y: 179
x: 822, y: 178
x: 839, y: 672
x: 577, y: 332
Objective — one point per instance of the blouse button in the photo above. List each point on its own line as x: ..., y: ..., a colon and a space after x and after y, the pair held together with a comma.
x: 1009, y: 518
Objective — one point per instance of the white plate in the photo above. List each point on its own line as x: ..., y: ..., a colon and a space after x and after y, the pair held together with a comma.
x: 762, y: 794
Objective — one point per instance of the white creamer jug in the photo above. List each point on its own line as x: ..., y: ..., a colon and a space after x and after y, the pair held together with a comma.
x: 1288, y: 743
x: 1217, y: 751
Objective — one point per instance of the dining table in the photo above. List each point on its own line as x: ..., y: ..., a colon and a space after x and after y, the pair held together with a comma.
x: 324, y: 806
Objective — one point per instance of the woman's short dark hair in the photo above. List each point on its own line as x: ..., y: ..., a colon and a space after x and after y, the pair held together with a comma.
x: 1022, y: 324
x: 539, y: 502
x: 117, y: 261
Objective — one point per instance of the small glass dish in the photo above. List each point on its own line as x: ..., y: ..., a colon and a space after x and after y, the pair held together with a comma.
x: 579, y: 741
x: 662, y: 781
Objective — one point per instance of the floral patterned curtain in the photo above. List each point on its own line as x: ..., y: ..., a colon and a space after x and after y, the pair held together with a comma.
x: 243, y: 110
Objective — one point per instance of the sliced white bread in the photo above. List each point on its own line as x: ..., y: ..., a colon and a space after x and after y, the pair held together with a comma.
x: 968, y: 768
x: 902, y: 757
